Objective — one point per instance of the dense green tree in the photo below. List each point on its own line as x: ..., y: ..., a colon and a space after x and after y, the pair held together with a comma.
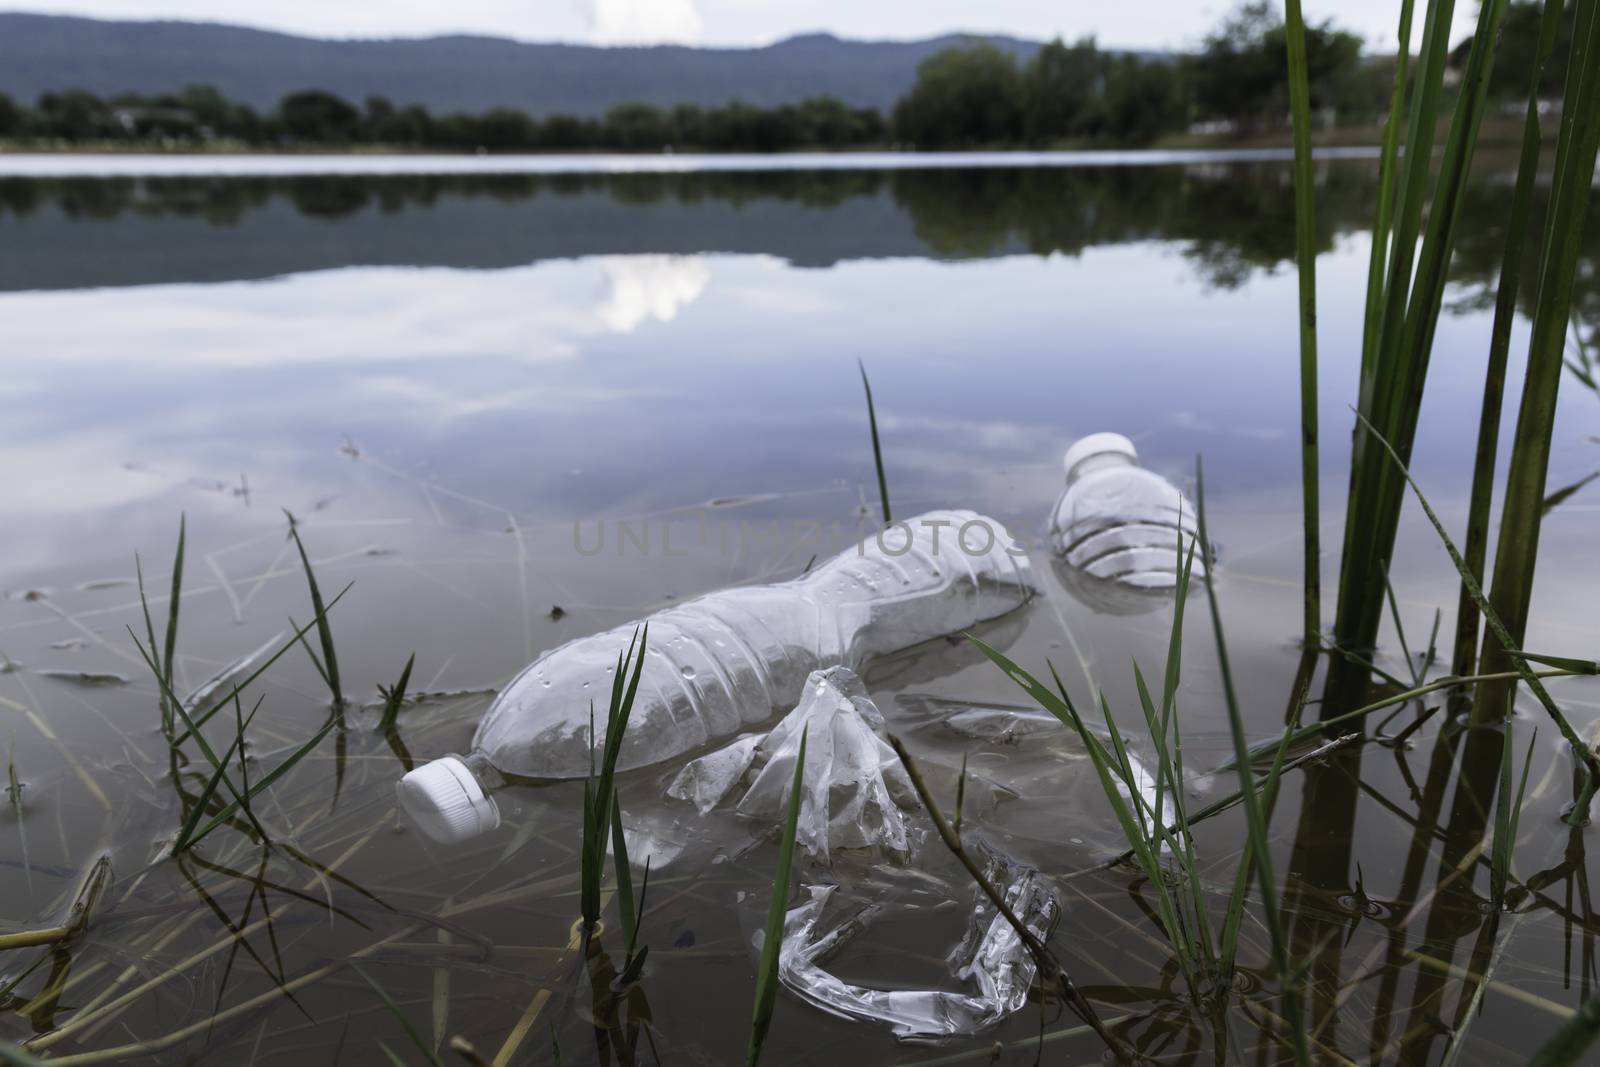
x: 319, y: 117
x: 637, y: 127
x: 11, y: 117
x: 216, y: 116
x: 1242, y: 72
x: 1064, y: 90
x: 75, y: 115
x: 963, y: 96
x: 1144, y: 99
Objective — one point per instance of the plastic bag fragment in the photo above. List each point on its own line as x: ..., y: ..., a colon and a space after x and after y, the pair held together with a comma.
x: 990, y: 960
x: 853, y: 786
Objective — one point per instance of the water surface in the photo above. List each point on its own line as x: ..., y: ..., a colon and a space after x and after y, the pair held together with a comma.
x: 457, y: 379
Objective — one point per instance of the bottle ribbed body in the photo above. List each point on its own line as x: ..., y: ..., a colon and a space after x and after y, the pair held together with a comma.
x: 1123, y: 523
x: 728, y: 660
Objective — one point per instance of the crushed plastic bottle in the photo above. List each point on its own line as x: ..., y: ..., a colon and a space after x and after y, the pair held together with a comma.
x: 731, y: 659
x: 852, y: 789
x: 990, y: 960
x: 1119, y: 523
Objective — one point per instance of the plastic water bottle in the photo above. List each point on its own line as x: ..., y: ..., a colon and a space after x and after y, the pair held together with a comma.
x: 725, y: 661
x: 1118, y: 522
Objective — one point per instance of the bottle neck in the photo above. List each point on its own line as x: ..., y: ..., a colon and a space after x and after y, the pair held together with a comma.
x: 488, y: 776
x: 1102, y: 461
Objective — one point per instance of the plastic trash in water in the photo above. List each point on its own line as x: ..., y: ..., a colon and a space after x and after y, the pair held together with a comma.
x: 853, y: 787
x: 728, y: 660
x: 990, y: 961
x: 1119, y: 526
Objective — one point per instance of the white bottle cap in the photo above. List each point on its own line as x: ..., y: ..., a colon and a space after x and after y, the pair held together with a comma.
x: 447, y: 801
x: 1097, y: 444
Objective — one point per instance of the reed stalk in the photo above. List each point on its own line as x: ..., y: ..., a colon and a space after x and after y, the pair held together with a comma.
x: 1464, y: 658
x: 1398, y: 334
x: 1305, y: 227
x: 1516, y: 550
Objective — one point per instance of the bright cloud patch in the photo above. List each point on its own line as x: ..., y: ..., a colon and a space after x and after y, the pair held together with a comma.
x: 643, y: 21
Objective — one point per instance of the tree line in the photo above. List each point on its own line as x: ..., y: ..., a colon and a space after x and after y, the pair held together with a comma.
x: 966, y: 96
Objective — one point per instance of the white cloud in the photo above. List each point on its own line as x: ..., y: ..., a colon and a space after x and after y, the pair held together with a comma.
x: 650, y: 287
x: 643, y: 21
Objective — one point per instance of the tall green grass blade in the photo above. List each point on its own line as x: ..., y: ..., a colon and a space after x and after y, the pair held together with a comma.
x: 174, y: 604
x: 619, y: 859
x: 1305, y: 230
x: 330, y: 658
x: 1520, y: 668
x: 1575, y: 666
x: 777, y: 909
x: 1378, y: 256
x: 241, y: 686
x: 197, y: 812
x: 1121, y: 792
x: 877, y: 450
x: 1463, y: 659
x: 1413, y: 292
x: 199, y: 738
x: 1508, y: 816
x: 269, y: 780
x: 167, y: 716
x: 599, y: 790
x: 961, y: 793
x: 1517, y: 549
x: 395, y: 696
x: 1259, y: 853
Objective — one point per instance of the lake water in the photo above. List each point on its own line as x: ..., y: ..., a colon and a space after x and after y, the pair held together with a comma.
x: 461, y: 381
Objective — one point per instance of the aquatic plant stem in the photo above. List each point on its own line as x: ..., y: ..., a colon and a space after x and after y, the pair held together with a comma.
x: 1305, y: 228
x: 877, y: 450
x: 1051, y: 974
x: 1464, y: 657
x: 1516, y: 551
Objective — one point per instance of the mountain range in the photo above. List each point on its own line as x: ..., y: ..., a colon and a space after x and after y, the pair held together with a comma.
x: 43, y: 53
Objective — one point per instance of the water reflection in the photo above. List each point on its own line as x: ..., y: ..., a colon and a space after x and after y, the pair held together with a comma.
x: 1231, y: 219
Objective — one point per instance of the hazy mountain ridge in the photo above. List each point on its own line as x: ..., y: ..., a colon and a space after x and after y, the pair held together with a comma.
x: 42, y: 53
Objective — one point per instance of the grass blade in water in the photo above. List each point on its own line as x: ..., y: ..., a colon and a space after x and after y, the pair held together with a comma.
x: 777, y: 909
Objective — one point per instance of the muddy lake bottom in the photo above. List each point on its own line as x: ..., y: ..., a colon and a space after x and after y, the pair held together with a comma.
x: 517, y: 408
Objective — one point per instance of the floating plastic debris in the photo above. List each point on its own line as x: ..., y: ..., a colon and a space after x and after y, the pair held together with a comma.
x: 87, y: 679
x: 730, y: 659
x: 990, y: 960
x: 1117, y: 524
x: 853, y: 786
x: 220, y: 684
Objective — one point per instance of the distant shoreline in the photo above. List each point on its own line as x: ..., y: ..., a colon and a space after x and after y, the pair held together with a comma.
x: 67, y: 165
x: 1496, y: 131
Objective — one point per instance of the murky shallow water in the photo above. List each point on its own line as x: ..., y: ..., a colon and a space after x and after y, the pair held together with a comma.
x: 462, y: 383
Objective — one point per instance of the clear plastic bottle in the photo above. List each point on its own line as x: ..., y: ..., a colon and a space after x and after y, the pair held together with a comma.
x: 722, y: 662
x: 1118, y: 522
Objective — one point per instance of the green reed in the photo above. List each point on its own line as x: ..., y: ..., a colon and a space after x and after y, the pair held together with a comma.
x: 877, y: 449
x: 164, y: 661
x: 1513, y: 656
x: 1305, y: 232
x: 599, y: 790
x: 1154, y: 834
x: 1516, y: 550
x: 1405, y: 293
x: 1464, y: 657
x: 328, y: 665
x: 766, y: 998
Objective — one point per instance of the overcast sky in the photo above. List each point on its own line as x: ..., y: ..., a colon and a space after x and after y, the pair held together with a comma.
x: 1129, y: 23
